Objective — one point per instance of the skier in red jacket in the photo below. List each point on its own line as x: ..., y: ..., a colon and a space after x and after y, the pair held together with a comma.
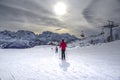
x: 63, y: 46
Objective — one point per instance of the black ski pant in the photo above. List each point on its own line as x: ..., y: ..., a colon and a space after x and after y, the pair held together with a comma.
x: 63, y: 54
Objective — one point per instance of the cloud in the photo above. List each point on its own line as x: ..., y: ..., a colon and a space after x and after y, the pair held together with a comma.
x: 38, y: 15
x: 99, y: 11
x: 27, y: 15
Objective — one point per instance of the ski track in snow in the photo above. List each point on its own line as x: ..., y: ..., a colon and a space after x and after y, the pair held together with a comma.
x: 42, y: 63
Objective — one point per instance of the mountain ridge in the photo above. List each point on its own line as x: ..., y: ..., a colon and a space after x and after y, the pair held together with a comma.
x: 28, y: 39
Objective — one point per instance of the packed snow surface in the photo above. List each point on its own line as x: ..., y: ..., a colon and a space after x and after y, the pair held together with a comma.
x: 100, y: 62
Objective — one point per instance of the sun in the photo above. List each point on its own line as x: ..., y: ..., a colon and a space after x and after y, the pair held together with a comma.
x: 60, y: 8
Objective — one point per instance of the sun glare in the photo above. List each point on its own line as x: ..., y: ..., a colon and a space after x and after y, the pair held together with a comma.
x: 60, y: 8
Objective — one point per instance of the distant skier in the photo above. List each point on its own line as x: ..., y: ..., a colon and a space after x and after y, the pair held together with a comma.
x: 63, y: 46
x: 56, y: 49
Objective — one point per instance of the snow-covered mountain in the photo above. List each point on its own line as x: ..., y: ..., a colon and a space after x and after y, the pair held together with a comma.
x: 27, y: 39
x: 48, y: 36
x: 19, y: 39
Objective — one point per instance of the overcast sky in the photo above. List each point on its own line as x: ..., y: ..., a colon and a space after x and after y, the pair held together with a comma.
x: 39, y: 15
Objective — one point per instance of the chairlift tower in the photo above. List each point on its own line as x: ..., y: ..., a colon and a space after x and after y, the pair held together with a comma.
x: 111, y: 25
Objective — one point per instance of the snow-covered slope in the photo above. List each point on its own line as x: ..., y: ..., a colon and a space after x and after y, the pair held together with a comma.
x: 98, y: 38
x: 99, y: 62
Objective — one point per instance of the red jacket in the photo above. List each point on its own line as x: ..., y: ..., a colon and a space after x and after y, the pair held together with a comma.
x: 63, y: 45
